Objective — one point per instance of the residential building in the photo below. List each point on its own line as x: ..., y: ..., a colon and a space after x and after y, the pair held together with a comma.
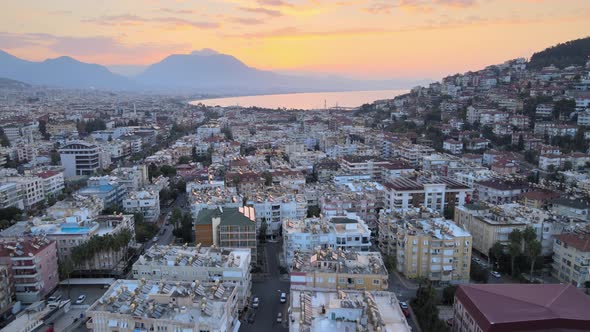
x: 435, y: 249
x: 338, y: 269
x: 82, y: 207
x: 53, y: 181
x: 436, y: 194
x: 518, y: 307
x: 349, y: 233
x: 499, y: 191
x: 7, y: 295
x: 205, y: 264
x: 30, y: 188
x: 129, y: 305
x: 33, y: 262
x: 274, y: 206
x: 105, y: 187
x: 132, y: 178
x: 227, y: 228
x: 145, y: 202
x: 571, y: 259
x: 345, y: 310
x: 11, y: 196
x: 80, y: 158
x: 372, y: 166
x: 574, y: 208
x: 453, y: 146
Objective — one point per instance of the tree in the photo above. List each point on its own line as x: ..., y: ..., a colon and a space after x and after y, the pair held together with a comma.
x: 515, y: 247
x: 267, y: 178
x: 168, y: 170
x: 496, y: 251
x: 3, y: 138
x: 587, y: 285
x: 313, y: 211
x: 175, y: 217
x: 479, y: 274
x: 533, y: 250
x: 567, y: 165
x: 448, y: 294
x: 184, y: 160
x: 138, y: 217
x: 390, y: 263
x: 262, y: 231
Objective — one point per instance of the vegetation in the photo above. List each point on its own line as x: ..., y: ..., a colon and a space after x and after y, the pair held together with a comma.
x: 573, y: 52
x: 185, y: 231
x: 424, y: 306
x: 448, y: 294
x: 98, y: 244
x: 390, y: 262
x: 313, y: 211
x: 479, y: 274
x: 3, y: 138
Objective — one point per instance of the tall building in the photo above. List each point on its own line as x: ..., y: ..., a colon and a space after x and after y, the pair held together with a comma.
x: 340, y: 270
x: 145, y: 202
x: 206, y: 264
x: 518, y: 307
x: 227, y: 228
x: 132, y: 305
x: 80, y: 158
x: 435, y: 249
x: 315, y: 310
x: 6, y: 291
x: 33, y: 261
x: 571, y: 259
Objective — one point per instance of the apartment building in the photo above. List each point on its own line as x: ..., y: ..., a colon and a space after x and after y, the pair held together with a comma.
x: 106, y: 188
x: 6, y: 291
x: 53, y: 181
x: 338, y: 269
x: 413, y: 153
x: 131, y: 305
x: 435, y: 248
x: 145, y: 202
x: 453, y: 146
x: 82, y: 207
x: 132, y: 178
x: 574, y: 208
x: 274, y: 206
x: 204, y: 198
x: 30, y: 188
x: 205, y: 264
x: 73, y: 232
x: 372, y: 166
x: 571, y: 258
x: 348, y: 232
x: 518, y: 307
x: 80, y: 158
x: 315, y: 310
x: 433, y: 193
x: 227, y: 228
x: 33, y: 262
x: 499, y: 191
x: 10, y: 196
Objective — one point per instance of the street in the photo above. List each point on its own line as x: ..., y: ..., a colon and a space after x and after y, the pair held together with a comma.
x: 269, y: 292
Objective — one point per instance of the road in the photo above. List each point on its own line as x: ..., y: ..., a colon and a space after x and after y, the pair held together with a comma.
x: 269, y: 293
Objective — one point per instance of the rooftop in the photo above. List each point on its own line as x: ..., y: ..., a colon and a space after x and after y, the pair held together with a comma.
x: 329, y: 260
x: 195, y: 256
x: 512, y: 307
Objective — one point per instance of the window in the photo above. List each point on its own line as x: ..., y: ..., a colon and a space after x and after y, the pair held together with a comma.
x: 359, y: 281
x: 376, y: 281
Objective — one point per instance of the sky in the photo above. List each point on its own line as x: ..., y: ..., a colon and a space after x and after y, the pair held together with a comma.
x: 374, y: 39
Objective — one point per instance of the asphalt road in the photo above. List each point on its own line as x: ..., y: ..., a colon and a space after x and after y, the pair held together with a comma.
x: 269, y: 293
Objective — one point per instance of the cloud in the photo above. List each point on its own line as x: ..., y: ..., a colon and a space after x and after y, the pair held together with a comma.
x: 424, y: 6
x: 246, y: 20
x: 293, y: 32
x: 260, y: 10
x: 275, y: 3
x: 131, y: 20
x: 175, y: 11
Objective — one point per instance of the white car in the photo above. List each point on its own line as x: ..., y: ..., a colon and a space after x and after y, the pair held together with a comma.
x: 283, y: 297
x: 280, y: 317
x: 255, y: 302
x: 54, y: 298
x: 155, y: 239
x: 496, y: 274
x: 81, y: 299
x: 403, y: 305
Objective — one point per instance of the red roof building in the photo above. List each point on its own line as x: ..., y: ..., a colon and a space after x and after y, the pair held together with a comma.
x: 520, y: 307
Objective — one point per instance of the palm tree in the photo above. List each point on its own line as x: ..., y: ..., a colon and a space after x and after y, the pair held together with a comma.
x: 533, y: 250
x: 515, y: 247
x: 496, y: 251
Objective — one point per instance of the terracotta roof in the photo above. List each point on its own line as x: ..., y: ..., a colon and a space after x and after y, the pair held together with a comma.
x: 519, y: 307
x: 578, y: 241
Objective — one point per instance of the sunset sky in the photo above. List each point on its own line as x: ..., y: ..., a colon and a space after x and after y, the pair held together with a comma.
x: 355, y: 38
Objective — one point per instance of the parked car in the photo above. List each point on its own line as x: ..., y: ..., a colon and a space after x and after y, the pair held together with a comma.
x: 255, y: 302
x: 155, y: 239
x: 280, y: 317
x: 81, y: 299
x: 283, y: 297
x: 496, y: 274
x: 404, y: 305
x: 54, y: 298
x: 251, y: 317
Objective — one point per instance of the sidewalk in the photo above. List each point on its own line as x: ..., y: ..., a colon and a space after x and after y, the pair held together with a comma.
x: 406, y: 283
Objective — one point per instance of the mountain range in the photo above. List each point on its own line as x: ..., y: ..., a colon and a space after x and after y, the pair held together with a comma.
x: 204, y: 71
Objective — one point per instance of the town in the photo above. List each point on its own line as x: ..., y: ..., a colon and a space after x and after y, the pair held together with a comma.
x: 463, y: 205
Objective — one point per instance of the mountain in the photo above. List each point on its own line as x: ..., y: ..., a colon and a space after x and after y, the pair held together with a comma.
x: 208, y: 71
x: 6, y: 83
x: 61, y: 72
x: 574, y: 52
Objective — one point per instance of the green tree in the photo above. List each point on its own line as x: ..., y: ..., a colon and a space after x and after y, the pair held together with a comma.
x: 175, y: 217
x: 448, y: 294
x: 184, y: 160
x: 262, y: 231
x: 168, y: 170
x: 3, y: 138
x: 587, y: 285
x: 313, y: 211
x: 533, y: 250
x: 514, y: 248
x: 496, y: 251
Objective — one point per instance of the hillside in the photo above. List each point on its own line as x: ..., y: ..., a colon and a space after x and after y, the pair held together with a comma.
x: 574, y: 52
x: 6, y: 83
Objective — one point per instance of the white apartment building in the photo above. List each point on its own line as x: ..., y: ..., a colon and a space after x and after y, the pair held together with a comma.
x: 53, y: 181
x: 571, y: 259
x: 132, y: 178
x: 435, y: 194
x: 205, y: 264
x: 274, y: 207
x: 453, y: 146
x: 146, y: 202
x: 80, y: 158
x: 131, y: 305
x: 10, y: 195
x: 30, y: 188
x: 348, y: 232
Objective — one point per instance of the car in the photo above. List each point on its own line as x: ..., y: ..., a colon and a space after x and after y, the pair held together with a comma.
x: 280, y: 317
x: 477, y: 260
x: 155, y: 239
x: 403, y: 305
x: 54, y: 298
x: 81, y: 299
x: 406, y: 312
x: 450, y: 322
x: 255, y: 302
x: 251, y: 317
x: 496, y: 274
x: 283, y: 297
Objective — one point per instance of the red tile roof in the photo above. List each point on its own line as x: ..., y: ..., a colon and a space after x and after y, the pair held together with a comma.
x: 578, y: 241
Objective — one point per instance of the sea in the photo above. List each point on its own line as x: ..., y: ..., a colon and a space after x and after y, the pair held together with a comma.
x: 304, y: 101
